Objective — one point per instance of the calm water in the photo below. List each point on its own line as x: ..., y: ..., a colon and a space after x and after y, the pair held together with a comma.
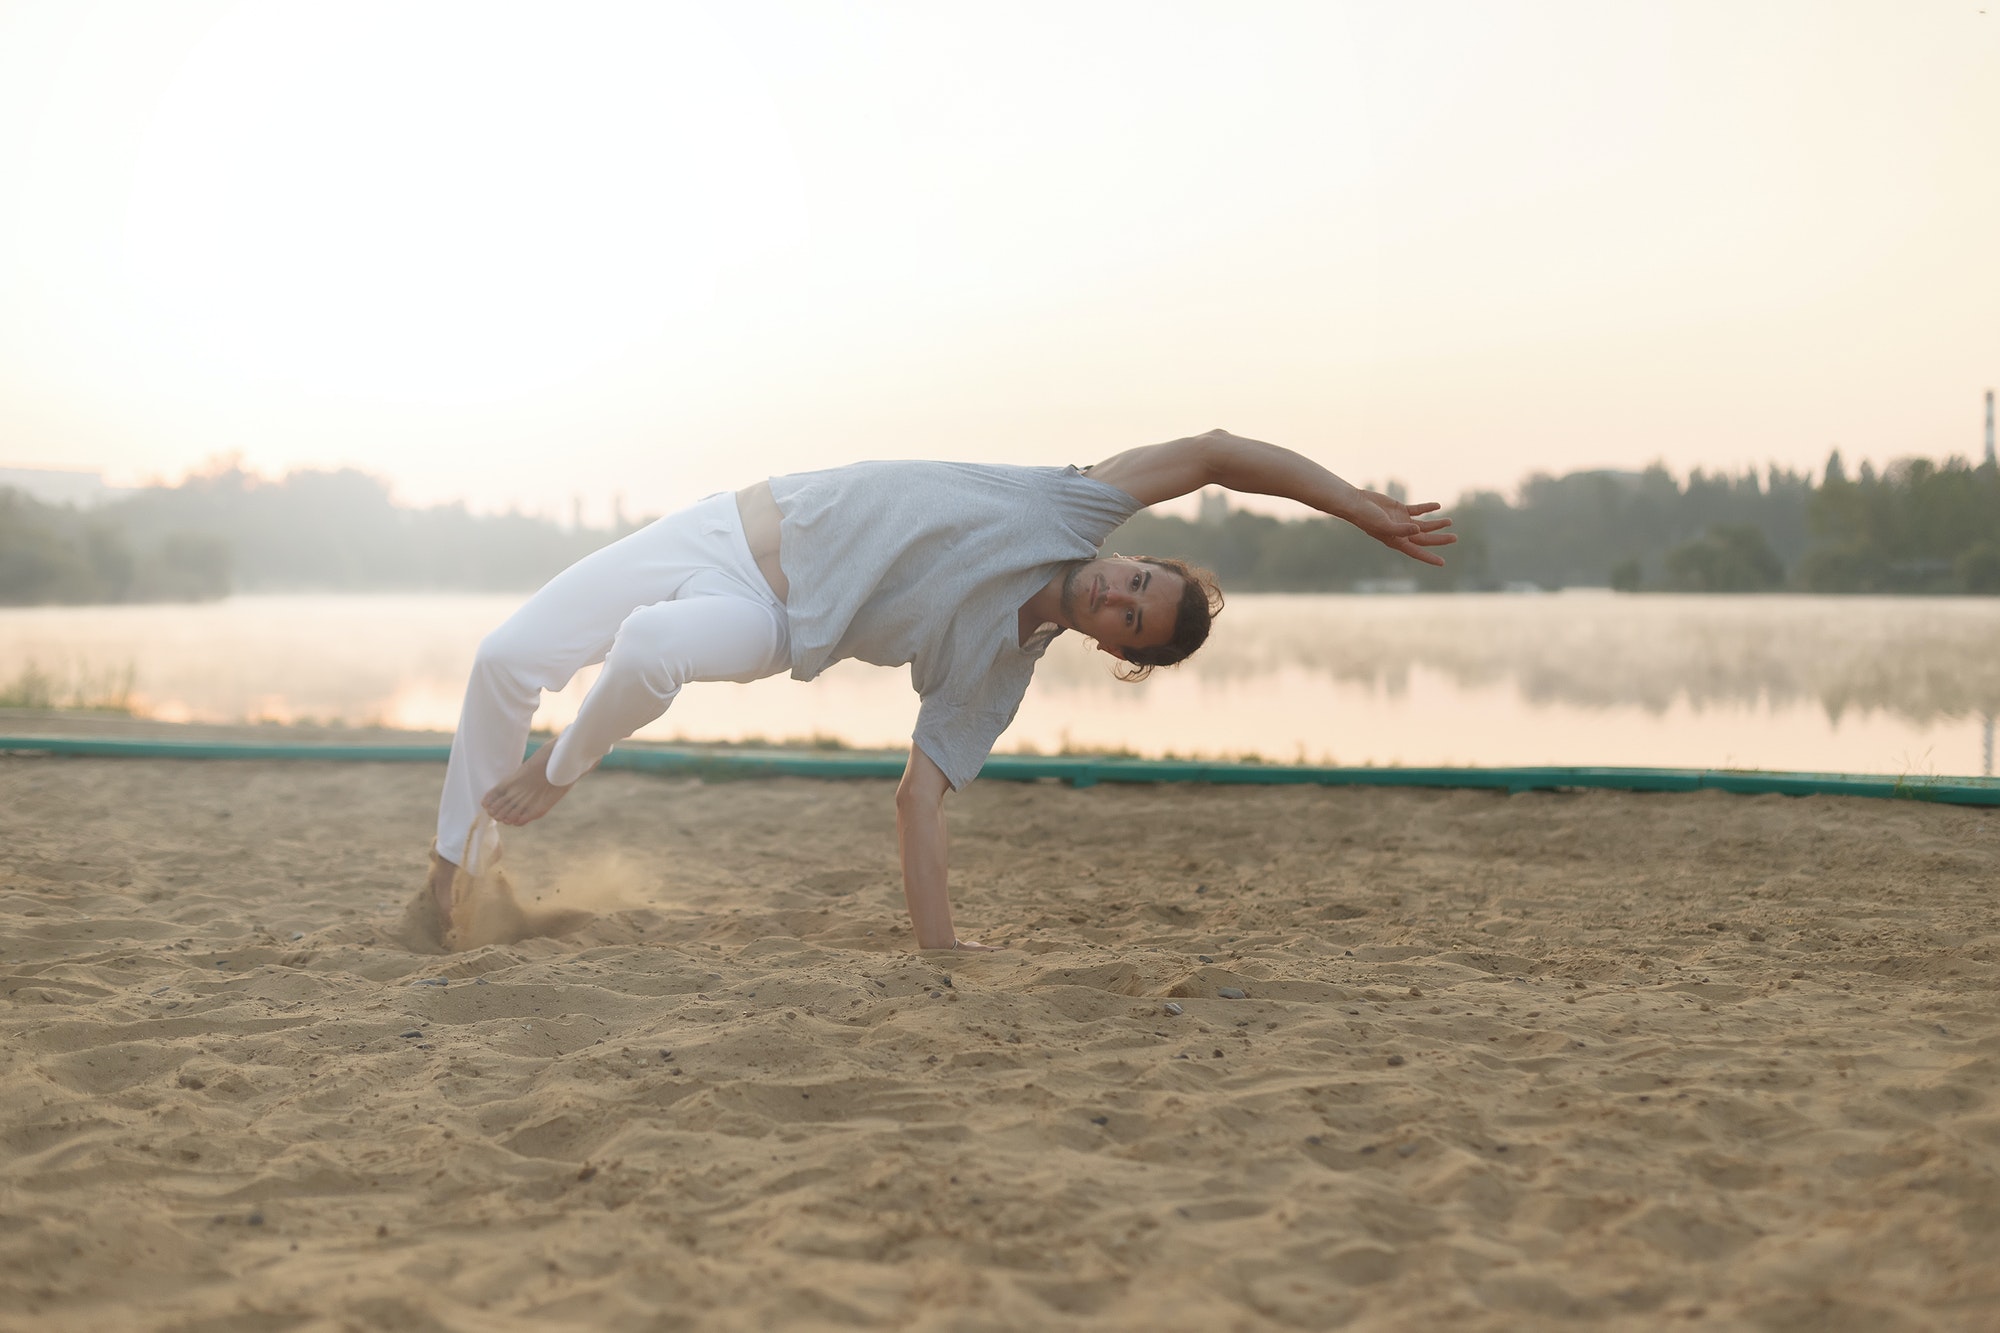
x: 1883, y: 685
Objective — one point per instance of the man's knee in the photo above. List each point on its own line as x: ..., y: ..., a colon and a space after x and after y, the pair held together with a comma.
x: 650, y: 647
x: 506, y: 658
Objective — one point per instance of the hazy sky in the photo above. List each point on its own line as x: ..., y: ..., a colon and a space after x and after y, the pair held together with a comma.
x: 512, y: 253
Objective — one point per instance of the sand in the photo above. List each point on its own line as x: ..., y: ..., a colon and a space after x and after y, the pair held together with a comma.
x: 1503, y: 1062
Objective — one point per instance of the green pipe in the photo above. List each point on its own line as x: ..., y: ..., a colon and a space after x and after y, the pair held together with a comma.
x: 1083, y: 771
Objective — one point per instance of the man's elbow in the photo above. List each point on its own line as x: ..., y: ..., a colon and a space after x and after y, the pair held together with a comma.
x: 1214, y: 455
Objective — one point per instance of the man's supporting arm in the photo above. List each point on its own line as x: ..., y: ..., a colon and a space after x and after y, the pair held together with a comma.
x: 1157, y: 472
x: 920, y: 837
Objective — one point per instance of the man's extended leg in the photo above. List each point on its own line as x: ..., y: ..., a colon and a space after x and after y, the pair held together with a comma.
x: 539, y: 648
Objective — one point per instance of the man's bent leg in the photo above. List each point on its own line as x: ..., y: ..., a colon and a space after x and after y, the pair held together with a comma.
x: 658, y: 649
x: 575, y: 620
x: 566, y: 626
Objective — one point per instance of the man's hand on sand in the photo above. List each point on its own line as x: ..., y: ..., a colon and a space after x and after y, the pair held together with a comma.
x: 526, y: 794
x: 1398, y: 526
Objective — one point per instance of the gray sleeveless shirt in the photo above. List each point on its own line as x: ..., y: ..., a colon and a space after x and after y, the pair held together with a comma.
x: 929, y: 564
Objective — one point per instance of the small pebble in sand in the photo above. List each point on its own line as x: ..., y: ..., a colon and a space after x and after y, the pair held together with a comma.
x: 1204, y: 958
x: 1405, y: 1149
x: 1395, y: 1060
x: 411, y: 1033
x: 1100, y: 1120
x: 255, y: 1219
x: 937, y: 995
x: 1232, y: 993
x: 298, y: 934
x: 1174, y: 1009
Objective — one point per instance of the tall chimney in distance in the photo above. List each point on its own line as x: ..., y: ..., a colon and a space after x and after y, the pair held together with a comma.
x: 1989, y: 426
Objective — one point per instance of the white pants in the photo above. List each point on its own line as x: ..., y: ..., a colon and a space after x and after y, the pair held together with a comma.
x: 680, y: 600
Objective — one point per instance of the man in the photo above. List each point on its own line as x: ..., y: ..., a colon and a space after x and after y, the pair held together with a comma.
x: 964, y: 572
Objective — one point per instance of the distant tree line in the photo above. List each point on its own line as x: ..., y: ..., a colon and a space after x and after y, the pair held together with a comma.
x: 229, y: 530
x: 56, y: 554
x: 1919, y: 527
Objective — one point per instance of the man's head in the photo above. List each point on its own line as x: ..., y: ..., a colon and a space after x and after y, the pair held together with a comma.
x: 1144, y: 610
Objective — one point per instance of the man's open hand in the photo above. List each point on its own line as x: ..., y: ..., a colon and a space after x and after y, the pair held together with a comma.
x: 1399, y: 526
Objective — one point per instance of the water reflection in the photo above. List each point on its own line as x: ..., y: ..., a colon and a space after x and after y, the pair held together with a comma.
x: 1863, y: 684
x: 1918, y: 658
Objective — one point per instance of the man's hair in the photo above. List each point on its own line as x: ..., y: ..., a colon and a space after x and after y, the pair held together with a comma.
x: 1201, y: 602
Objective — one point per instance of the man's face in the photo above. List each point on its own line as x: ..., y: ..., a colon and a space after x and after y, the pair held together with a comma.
x: 1122, y: 603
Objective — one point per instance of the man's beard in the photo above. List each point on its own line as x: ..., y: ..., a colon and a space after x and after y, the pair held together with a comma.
x: 1072, y: 576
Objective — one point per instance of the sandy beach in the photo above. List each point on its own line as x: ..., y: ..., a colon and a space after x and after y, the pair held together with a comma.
x: 1500, y: 1062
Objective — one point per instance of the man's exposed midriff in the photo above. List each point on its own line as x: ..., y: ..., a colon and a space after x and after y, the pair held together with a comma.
x: 762, y: 525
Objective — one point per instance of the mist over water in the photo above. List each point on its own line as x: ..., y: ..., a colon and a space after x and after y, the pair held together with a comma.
x: 1900, y: 685
x: 1918, y: 658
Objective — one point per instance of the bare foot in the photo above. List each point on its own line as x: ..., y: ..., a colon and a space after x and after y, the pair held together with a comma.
x: 527, y: 794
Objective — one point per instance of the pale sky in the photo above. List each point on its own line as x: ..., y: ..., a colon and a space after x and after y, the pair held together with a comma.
x: 513, y: 253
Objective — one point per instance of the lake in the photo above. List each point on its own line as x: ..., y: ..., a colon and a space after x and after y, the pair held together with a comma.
x: 1856, y: 684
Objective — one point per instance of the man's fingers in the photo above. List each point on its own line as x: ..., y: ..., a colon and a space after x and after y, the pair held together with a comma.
x: 1410, y: 532
x: 1409, y: 527
x: 1425, y: 508
x: 1413, y: 547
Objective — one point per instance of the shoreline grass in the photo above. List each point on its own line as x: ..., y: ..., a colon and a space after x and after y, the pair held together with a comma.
x: 78, y: 690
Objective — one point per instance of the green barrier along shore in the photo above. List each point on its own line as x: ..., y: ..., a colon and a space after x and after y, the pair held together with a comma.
x: 1081, y: 770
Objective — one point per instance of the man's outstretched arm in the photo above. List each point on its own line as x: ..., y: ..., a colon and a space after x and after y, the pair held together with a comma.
x: 920, y: 837
x: 1157, y: 472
